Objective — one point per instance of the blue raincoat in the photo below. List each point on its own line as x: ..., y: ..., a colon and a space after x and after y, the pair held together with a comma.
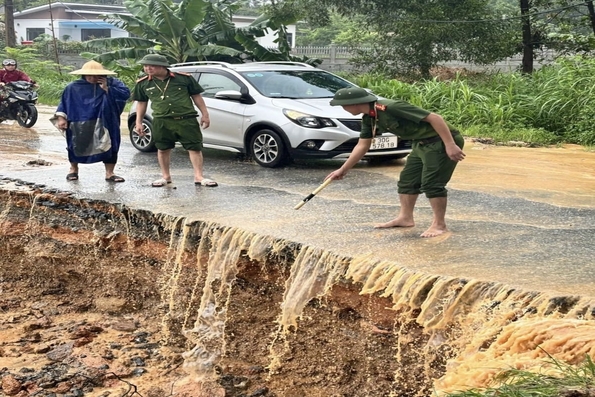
x: 93, y: 132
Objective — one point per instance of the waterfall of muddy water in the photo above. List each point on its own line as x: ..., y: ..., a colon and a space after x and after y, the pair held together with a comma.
x: 222, y: 247
x: 256, y: 314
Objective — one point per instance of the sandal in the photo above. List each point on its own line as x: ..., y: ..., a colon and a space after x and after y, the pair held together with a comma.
x: 115, y: 178
x: 207, y: 182
x: 73, y: 176
x: 160, y: 182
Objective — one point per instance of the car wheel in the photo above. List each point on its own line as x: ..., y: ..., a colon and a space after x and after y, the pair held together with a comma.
x: 145, y: 142
x: 268, y: 149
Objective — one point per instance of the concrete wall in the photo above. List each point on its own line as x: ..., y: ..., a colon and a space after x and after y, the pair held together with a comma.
x: 336, y: 59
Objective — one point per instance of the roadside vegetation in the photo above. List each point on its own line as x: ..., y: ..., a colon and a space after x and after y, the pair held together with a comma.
x: 553, y: 105
x: 548, y: 106
x: 572, y: 381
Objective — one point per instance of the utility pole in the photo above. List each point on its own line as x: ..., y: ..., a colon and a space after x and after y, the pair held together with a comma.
x: 11, y: 39
x: 54, y: 37
x: 591, y: 14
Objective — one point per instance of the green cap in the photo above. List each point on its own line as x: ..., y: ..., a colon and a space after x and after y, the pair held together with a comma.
x: 352, y: 96
x: 154, y: 59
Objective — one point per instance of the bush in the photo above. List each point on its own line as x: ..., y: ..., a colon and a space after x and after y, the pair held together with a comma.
x: 554, y: 104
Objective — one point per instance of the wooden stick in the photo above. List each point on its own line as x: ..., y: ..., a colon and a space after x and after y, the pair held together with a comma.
x: 311, y: 195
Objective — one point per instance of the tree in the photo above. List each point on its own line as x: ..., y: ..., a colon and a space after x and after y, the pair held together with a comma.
x: 564, y: 26
x: 190, y: 30
x: 9, y: 23
x: 161, y: 26
x: 340, y: 30
x: 527, y: 64
x: 414, y: 36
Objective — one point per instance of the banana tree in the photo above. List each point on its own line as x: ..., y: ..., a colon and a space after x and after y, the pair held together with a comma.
x: 256, y: 52
x: 218, y: 28
x: 190, y: 30
x: 158, y: 26
x: 222, y: 31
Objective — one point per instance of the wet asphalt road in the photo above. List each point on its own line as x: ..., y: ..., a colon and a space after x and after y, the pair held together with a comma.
x: 537, y: 238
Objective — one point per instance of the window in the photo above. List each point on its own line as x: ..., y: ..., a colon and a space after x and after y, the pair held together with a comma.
x: 32, y: 33
x: 290, y: 39
x: 90, y: 34
x: 309, y: 83
x: 213, y: 83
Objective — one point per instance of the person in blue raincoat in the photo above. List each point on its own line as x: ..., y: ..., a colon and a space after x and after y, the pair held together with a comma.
x: 89, y: 115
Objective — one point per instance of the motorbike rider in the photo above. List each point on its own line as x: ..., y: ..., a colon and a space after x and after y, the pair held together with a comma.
x: 10, y: 73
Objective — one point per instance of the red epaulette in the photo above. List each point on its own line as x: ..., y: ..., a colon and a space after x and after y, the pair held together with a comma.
x: 142, y: 78
x: 184, y: 74
x: 380, y: 107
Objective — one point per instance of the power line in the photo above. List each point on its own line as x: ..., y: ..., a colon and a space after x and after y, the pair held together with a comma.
x: 505, y: 19
x: 81, y: 16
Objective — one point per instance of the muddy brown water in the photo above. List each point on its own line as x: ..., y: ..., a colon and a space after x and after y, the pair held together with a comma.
x: 107, y: 297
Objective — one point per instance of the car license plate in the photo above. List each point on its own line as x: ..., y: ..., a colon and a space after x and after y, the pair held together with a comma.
x: 384, y: 142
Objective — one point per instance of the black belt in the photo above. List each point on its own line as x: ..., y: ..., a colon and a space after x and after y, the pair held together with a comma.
x: 433, y: 139
x: 182, y: 117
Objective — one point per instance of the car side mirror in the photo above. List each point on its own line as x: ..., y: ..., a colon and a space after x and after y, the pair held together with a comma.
x: 229, y: 94
x: 242, y: 96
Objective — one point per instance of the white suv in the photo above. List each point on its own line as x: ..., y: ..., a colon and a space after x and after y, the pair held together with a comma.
x: 275, y: 112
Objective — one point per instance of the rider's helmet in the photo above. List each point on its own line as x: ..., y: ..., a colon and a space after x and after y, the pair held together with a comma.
x: 7, y: 62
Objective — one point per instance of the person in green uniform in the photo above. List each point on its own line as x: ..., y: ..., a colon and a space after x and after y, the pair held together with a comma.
x: 436, y: 150
x: 173, y: 96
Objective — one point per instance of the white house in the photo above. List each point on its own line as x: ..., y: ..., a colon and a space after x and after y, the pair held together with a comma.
x: 81, y: 22
x: 76, y: 22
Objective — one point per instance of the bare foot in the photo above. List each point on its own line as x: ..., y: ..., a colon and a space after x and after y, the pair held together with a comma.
x: 434, y: 231
x: 397, y: 222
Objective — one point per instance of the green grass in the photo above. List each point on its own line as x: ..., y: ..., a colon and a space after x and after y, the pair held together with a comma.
x: 532, y: 136
x: 553, y: 105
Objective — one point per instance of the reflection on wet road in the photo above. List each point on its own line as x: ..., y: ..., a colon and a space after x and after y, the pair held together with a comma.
x: 520, y: 216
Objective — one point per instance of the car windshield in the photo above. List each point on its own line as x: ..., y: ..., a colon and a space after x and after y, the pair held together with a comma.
x: 296, y: 84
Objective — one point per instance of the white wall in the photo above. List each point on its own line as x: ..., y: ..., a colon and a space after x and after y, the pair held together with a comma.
x: 268, y: 39
x: 21, y: 26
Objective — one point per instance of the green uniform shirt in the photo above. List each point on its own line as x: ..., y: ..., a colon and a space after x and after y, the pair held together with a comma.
x: 400, y: 118
x: 170, y: 97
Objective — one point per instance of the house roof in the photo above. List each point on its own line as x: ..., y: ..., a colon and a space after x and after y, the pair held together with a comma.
x: 93, y: 9
x: 86, y: 25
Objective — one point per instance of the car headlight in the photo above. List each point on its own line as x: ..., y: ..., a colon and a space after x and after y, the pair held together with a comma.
x: 307, y: 120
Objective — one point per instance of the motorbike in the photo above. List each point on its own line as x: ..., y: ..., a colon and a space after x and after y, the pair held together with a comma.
x: 17, y: 102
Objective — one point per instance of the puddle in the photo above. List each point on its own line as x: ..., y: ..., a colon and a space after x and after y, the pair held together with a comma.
x: 99, y: 297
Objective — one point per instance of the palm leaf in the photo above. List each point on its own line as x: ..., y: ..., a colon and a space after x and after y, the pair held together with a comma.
x: 131, y: 24
x: 166, y: 22
x: 213, y: 50
x: 259, y: 52
x: 111, y: 56
x: 193, y: 12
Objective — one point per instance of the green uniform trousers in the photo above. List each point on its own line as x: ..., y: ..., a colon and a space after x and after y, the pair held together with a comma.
x: 167, y: 131
x: 428, y: 169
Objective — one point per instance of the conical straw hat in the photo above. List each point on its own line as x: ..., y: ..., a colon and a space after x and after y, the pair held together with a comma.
x: 92, y: 68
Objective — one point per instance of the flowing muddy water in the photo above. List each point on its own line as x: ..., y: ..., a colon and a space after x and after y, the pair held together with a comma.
x: 99, y: 298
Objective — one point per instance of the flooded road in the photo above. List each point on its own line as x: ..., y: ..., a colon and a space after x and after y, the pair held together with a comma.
x: 520, y: 216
